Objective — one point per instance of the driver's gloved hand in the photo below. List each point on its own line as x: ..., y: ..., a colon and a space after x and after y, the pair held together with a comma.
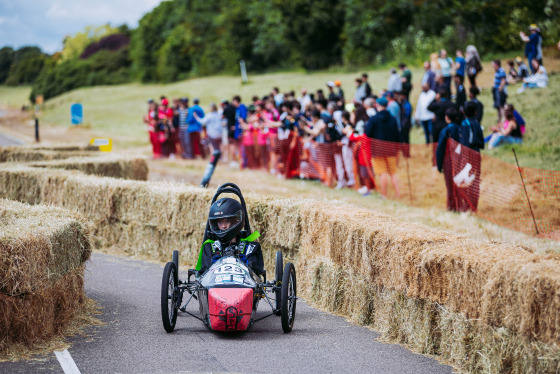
x: 244, y: 259
x: 215, y: 258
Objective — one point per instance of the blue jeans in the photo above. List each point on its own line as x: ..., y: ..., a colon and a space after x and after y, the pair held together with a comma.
x: 499, y: 139
x: 427, y: 125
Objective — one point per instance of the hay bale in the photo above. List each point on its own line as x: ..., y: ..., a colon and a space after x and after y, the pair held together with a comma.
x: 29, y: 154
x: 38, y: 316
x: 107, y: 166
x: 39, y: 245
x: 365, y: 265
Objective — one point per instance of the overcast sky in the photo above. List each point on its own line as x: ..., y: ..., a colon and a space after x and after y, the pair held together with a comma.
x: 45, y: 23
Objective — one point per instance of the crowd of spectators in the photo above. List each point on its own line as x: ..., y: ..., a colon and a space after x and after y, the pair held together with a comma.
x: 291, y: 135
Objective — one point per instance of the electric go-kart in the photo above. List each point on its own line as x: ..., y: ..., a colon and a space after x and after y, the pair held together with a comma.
x: 229, y: 291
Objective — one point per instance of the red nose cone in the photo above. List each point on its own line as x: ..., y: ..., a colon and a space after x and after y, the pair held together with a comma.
x: 230, y: 308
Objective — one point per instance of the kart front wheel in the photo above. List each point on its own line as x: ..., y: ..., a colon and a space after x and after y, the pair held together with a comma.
x: 169, y: 296
x: 289, y: 298
x: 176, y: 259
x: 278, y: 271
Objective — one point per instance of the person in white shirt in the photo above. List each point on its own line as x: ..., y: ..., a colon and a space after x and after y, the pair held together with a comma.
x: 214, y: 127
x: 537, y: 80
x: 394, y: 84
x: 422, y: 114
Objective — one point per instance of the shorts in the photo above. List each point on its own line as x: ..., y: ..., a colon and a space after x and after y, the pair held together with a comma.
x: 499, y: 97
x: 385, y: 165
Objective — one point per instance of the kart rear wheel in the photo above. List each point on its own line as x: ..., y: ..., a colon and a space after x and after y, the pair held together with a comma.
x: 278, y: 271
x: 169, y: 296
x: 289, y: 297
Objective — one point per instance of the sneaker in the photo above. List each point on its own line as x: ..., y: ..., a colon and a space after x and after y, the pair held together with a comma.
x: 362, y: 190
x: 340, y: 185
x: 521, y: 89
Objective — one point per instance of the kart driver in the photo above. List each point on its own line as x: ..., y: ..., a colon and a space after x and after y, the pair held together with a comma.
x: 225, y: 222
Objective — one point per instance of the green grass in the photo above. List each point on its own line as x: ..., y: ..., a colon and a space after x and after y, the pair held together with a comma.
x: 14, y: 96
x: 116, y: 111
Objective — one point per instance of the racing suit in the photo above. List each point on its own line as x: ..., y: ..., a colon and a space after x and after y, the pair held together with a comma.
x: 247, y: 249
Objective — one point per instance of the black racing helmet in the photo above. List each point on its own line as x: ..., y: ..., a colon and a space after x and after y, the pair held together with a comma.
x: 226, y: 219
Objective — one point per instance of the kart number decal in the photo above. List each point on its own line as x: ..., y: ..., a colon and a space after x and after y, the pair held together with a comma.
x: 229, y: 269
x: 227, y: 278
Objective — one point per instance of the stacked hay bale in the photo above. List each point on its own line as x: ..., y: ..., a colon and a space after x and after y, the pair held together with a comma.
x: 43, y: 153
x: 107, y: 166
x: 42, y: 255
x: 483, y: 306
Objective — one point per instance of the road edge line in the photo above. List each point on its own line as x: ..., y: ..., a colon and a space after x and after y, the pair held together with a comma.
x: 66, y: 362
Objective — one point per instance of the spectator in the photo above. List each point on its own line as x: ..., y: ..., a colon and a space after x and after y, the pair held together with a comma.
x: 229, y: 115
x: 422, y: 114
x: 512, y: 76
x: 364, y: 171
x: 473, y: 93
x: 305, y: 99
x: 151, y: 119
x: 184, y: 138
x: 194, y: 129
x: 461, y: 95
x: 278, y: 97
x: 459, y: 66
x: 434, y: 63
x: 429, y: 77
x: 499, y: 90
x: 446, y: 64
x: 461, y: 135
x: 213, y: 124
x: 406, y: 80
x: 360, y: 92
x: 539, y: 79
x: 369, y: 106
x: 508, y: 133
x: 347, y: 158
x: 533, y: 45
x: 473, y: 64
x: 339, y: 92
x: 332, y: 96
x: 439, y: 107
x: 476, y: 143
x: 405, y: 122
x: 383, y: 127
x: 517, y: 117
x: 522, y: 70
x: 394, y: 83
x: 367, y: 87
x: 393, y: 107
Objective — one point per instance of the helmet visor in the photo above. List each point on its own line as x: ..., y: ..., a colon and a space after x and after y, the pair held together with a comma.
x: 222, y: 225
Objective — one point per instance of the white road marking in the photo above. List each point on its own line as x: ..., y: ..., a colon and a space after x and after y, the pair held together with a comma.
x: 67, y: 363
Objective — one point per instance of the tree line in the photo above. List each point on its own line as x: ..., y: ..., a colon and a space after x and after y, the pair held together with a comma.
x: 179, y: 39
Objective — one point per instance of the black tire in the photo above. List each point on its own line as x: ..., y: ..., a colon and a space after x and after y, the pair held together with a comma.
x: 278, y: 271
x: 176, y: 259
x: 169, y: 297
x: 289, y: 297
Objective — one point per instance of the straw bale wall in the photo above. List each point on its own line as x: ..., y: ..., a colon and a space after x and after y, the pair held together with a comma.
x: 42, y: 255
x: 107, y: 166
x: 34, y: 153
x: 483, y: 306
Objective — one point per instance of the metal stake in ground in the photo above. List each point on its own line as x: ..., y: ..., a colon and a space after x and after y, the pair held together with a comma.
x: 37, y: 139
x: 525, y: 188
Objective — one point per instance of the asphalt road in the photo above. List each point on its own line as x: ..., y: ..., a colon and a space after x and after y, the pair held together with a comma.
x: 133, y: 340
x: 6, y: 140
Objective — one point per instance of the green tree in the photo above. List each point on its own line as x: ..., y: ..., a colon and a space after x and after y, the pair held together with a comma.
x: 26, y: 66
x: 74, y: 45
x: 6, y: 59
